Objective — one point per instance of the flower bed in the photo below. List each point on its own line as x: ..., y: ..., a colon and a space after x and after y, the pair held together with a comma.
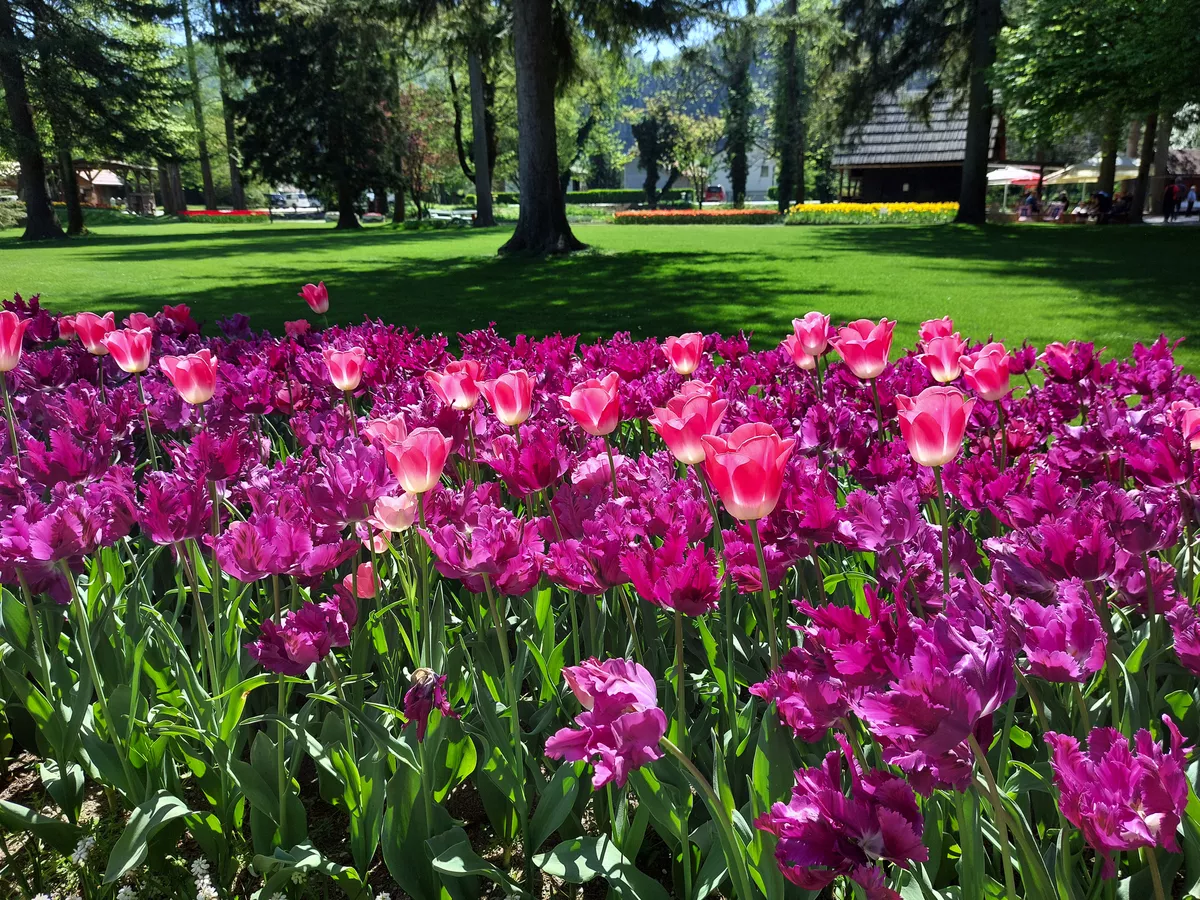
x: 223, y: 215
x: 342, y: 609
x: 697, y: 217
x: 871, y: 213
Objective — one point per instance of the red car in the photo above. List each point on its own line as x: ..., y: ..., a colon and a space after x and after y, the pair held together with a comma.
x: 714, y: 193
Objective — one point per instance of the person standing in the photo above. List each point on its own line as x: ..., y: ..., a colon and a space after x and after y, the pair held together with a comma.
x: 1191, y: 200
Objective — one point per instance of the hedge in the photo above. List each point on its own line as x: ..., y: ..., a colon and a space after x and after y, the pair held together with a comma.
x: 583, y: 198
x: 697, y: 217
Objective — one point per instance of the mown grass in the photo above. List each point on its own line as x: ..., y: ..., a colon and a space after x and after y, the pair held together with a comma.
x: 1111, y: 285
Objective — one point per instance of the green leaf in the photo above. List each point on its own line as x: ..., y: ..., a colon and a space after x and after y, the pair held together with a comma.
x: 454, y: 761
x: 459, y: 860
x: 1020, y: 737
x: 1180, y: 702
x: 1133, y: 662
x: 554, y: 805
x: 580, y: 860
x: 144, y: 823
x: 17, y: 819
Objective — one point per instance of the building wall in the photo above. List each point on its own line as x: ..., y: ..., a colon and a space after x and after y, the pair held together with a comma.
x: 914, y: 184
x: 760, y: 177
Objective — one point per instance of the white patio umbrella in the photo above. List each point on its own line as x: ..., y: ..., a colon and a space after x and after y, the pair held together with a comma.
x: 1089, y: 171
x: 1007, y: 175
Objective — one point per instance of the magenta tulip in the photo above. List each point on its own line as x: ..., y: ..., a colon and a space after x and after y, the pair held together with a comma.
x: 594, y: 404
x: 684, y: 352
x: 12, y: 333
x: 942, y: 357
x: 795, y: 349
x: 933, y: 424
x: 746, y: 468
x: 986, y: 372
x: 458, y: 386
x: 813, y: 332
x: 317, y: 297
x: 510, y: 396
x: 683, y: 424
x: 418, y: 460
x: 194, y: 376
x: 865, y: 346
x: 935, y: 328
x: 92, y: 329
x: 345, y: 367
x: 130, y: 349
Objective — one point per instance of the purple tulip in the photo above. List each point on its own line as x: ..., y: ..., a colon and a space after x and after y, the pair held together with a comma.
x: 427, y: 693
x: 1064, y: 642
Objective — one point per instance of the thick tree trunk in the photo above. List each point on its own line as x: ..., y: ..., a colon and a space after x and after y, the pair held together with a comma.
x: 381, y: 201
x: 542, y: 226
x: 236, y: 189
x: 790, y: 117
x: 398, y: 206
x: 1108, y: 156
x: 40, y: 221
x: 459, y: 144
x: 1137, y: 210
x: 972, y: 199
x: 166, y: 190
x: 70, y: 187
x: 1162, y: 159
x: 177, y: 187
x: 484, y: 216
x: 1133, y: 139
x: 737, y: 147
x: 210, y: 195
x: 347, y: 216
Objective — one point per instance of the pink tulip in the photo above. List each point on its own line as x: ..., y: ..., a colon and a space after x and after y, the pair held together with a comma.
x: 801, y: 357
x: 812, y: 332
x: 366, y: 582
x: 699, y: 389
x: 986, y: 372
x: 139, y: 320
x: 594, y: 404
x: 933, y: 424
x: 746, y: 468
x: 684, y: 352
x: 510, y: 396
x: 935, y: 328
x: 345, y: 367
x: 12, y: 333
x: 194, y: 376
x: 683, y: 424
x: 297, y: 328
x: 418, y: 460
x: 91, y: 329
x: 865, y: 346
x: 130, y: 349
x: 395, y: 514
x: 66, y: 327
x: 458, y: 386
x: 384, y: 432
x: 941, y: 357
x: 317, y: 297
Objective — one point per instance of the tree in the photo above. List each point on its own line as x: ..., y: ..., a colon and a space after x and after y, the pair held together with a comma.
x: 948, y: 44
x: 695, y: 151
x: 236, y: 188
x: 656, y: 134
x: 210, y: 196
x: 319, y: 98
x: 737, y: 45
x: 790, y: 111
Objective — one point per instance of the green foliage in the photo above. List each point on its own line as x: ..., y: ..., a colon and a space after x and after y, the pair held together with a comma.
x: 12, y: 214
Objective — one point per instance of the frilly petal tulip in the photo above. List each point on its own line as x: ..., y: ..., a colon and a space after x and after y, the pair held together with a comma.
x: 130, y: 349
x: 194, y: 376
x: 594, y: 404
x: 746, y: 468
x: 510, y: 396
x: 865, y: 346
x: 91, y: 330
x: 684, y: 352
x: 933, y: 424
x: 12, y: 333
x: 801, y: 357
x: 942, y: 357
x: 986, y: 372
x: 684, y: 422
x: 427, y: 693
x: 935, y: 328
x: 418, y: 460
x: 382, y: 432
x: 317, y: 297
x: 812, y: 332
x: 297, y: 328
x: 458, y: 386
x: 345, y: 367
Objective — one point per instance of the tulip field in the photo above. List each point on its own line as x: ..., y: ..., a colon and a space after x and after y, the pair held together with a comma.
x: 338, y: 612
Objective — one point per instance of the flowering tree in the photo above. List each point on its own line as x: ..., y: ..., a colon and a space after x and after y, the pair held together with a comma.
x: 695, y: 150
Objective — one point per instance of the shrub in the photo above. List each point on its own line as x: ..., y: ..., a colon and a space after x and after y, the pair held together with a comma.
x: 871, y: 213
x: 697, y: 217
x: 12, y: 214
x: 224, y: 215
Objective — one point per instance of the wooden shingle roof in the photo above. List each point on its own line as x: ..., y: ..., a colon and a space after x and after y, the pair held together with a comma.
x: 897, y: 136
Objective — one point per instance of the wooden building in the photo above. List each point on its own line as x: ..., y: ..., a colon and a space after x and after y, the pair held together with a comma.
x: 899, y: 156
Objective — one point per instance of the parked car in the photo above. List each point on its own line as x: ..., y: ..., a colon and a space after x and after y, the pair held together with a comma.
x: 714, y: 193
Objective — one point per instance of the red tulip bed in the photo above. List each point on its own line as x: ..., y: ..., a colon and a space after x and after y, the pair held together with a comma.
x: 688, y: 618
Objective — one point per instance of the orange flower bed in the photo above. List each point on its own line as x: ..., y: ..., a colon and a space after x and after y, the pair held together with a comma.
x: 697, y: 217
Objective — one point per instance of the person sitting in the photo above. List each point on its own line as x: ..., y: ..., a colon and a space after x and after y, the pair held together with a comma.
x: 1029, y: 207
x: 1121, y: 205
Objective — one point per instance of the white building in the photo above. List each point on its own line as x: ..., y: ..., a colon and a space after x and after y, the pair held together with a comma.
x: 760, y: 176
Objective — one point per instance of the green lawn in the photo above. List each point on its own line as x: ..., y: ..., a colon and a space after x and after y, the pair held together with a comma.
x: 1111, y: 285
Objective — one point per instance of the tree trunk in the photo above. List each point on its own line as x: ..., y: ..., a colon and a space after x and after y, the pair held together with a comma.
x: 210, y: 195
x: 1134, y: 139
x: 236, y: 189
x: 381, y: 201
x: 484, y: 217
x: 1108, y: 156
x: 177, y: 187
x: 790, y: 118
x: 347, y: 216
x: 1137, y: 210
x: 972, y: 198
x: 1162, y: 160
x: 398, y: 206
x: 542, y: 226
x: 459, y: 145
x: 166, y: 189
x: 40, y: 221
x: 70, y: 187
x: 737, y: 147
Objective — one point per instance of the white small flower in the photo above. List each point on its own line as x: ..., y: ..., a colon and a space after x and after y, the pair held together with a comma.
x: 43, y: 897
x: 205, y: 890
x: 199, y: 868
x: 126, y: 893
x: 72, y: 897
x: 82, y: 849
x: 298, y: 877
x: 277, y: 896
x: 383, y: 896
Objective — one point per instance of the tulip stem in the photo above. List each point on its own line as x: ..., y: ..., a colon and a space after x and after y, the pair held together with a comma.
x: 881, y: 434
x: 680, y: 686
x: 426, y: 624
x: 1034, y: 700
x: 348, y: 397
x: 727, y: 602
x: 1084, y: 718
x: 612, y: 466
x: 945, y: 523
x: 1152, y: 636
x: 215, y: 574
x: 1155, y: 875
x: 637, y: 644
x: 1109, y: 663
x: 201, y: 618
x: 281, y: 760
x: 1003, y: 435
x: 146, y: 420
x: 737, y: 865
x: 474, y: 465
x: 772, y: 640
x: 999, y: 813
x: 12, y: 422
